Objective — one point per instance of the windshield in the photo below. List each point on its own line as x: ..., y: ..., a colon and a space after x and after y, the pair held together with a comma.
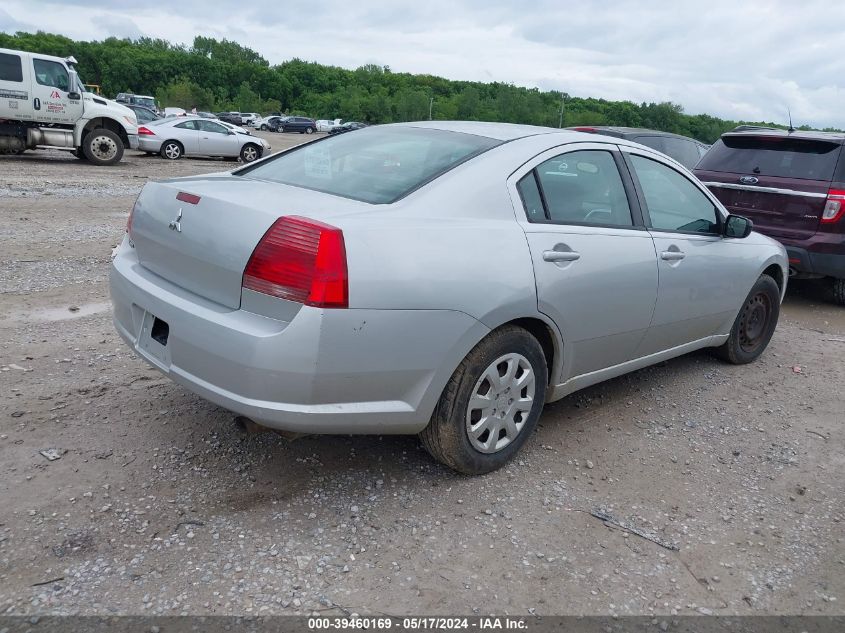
x: 377, y: 165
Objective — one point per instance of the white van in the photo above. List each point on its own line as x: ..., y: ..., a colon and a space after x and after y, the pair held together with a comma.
x: 43, y: 103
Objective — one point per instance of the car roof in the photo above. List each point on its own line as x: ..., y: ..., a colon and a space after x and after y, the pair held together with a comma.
x: 834, y: 137
x: 634, y: 131
x: 500, y: 131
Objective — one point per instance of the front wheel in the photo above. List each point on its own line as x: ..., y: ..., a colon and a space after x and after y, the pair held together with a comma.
x: 754, y: 325
x: 250, y: 152
x: 491, y: 404
x: 102, y: 147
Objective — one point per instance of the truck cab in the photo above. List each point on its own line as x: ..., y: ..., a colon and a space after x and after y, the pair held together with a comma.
x: 43, y: 103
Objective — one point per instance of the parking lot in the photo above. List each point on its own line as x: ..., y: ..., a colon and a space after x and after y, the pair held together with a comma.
x: 690, y: 487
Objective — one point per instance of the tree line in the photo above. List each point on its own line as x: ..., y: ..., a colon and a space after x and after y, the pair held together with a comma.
x: 216, y: 75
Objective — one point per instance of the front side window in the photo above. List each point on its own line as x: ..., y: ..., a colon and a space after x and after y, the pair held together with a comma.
x: 582, y: 187
x: 11, y: 68
x: 49, y: 73
x: 211, y: 126
x: 377, y: 165
x: 674, y: 203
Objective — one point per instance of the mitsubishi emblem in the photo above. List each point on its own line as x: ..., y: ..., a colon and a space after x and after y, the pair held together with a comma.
x: 176, y: 224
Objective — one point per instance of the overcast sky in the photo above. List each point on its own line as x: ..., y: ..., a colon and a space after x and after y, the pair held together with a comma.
x: 740, y: 60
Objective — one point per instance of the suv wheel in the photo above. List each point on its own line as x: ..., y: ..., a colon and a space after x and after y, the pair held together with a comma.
x: 491, y: 405
x: 838, y: 287
x: 309, y: 130
x: 754, y: 325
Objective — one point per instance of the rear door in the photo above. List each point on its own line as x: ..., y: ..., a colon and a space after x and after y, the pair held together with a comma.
x: 779, y: 182
x: 594, y: 263
x: 15, y: 98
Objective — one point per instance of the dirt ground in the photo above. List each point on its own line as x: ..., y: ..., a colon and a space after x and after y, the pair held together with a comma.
x: 158, y: 504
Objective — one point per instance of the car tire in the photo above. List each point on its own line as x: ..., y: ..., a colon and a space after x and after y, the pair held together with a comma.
x: 837, y: 287
x: 754, y: 325
x: 309, y: 130
x: 250, y: 153
x: 263, y: 128
x: 465, y: 438
x: 102, y: 147
x: 172, y: 150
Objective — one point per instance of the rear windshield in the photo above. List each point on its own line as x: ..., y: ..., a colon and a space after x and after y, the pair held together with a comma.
x: 378, y: 165
x: 773, y: 156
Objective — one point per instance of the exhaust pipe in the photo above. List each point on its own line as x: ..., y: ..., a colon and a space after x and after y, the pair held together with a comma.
x: 251, y: 427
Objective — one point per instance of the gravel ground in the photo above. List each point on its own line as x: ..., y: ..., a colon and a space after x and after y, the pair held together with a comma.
x: 720, y: 485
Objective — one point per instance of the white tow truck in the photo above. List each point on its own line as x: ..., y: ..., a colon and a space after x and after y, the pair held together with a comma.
x: 43, y: 104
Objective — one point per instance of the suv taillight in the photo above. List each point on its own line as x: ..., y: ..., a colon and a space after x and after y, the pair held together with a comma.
x: 300, y: 260
x: 834, y: 209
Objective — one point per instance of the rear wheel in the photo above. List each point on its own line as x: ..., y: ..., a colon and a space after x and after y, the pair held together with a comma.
x: 263, y: 127
x: 491, y: 405
x: 250, y: 152
x: 754, y: 325
x: 171, y: 150
x: 102, y: 147
x: 838, y: 288
x: 309, y: 130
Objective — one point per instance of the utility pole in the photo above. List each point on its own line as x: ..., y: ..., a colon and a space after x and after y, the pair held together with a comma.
x: 560, y: 122
x: 430, y: 106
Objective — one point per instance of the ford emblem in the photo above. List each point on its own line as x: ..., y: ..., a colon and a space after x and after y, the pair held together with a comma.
x: 749, y: 180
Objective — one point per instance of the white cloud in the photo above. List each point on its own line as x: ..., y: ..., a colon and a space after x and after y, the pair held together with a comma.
x: 730, y: 59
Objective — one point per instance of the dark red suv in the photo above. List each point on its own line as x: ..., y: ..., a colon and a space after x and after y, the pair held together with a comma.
x: 792, y: 185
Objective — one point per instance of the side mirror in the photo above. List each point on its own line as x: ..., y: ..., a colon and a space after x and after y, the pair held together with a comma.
x: 737, y: 226
x: 74, y: 95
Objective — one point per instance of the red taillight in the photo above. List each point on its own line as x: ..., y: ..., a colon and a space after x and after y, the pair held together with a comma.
x: 301, y: 260
x: 834, y: 209
x: 144, y: 131
x: 584, y: 129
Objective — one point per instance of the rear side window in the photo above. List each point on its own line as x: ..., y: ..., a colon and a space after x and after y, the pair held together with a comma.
x: 584, y: 187
x: 378, y: 165
x: 11, y: 68
x: 779, y: 156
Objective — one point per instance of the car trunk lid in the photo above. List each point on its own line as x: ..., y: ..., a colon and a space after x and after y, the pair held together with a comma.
x: 781, y: 183
x: 199, y: 233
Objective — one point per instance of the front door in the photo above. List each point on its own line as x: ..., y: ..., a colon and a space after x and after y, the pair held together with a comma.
x: 594, y: 262
x: 51, y: 90
x: 699, y: 287
x: 215, y: 139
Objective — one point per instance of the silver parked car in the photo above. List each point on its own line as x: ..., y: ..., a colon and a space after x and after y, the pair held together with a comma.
x: 176, y: 137
x: 445, y: 279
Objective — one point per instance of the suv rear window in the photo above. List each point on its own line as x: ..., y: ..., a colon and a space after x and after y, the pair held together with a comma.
x: 806, y: 159
x: 377, y: 165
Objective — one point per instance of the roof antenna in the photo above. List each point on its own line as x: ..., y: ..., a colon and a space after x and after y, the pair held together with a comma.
x: 791, y: 128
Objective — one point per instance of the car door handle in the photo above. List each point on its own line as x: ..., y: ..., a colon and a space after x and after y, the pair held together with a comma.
x: 561, y: 256
x: 672, y: 256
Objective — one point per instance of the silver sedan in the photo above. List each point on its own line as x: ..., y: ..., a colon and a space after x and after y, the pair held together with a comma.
x: 445, y: 279
x: 176, y: 137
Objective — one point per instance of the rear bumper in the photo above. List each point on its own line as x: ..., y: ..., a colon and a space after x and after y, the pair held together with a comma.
x: 810, y: 261
x: 146, y: 144
x: 323, y: 371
